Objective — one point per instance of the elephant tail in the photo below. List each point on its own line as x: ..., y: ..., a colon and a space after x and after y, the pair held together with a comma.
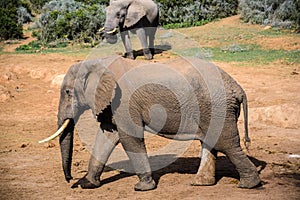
x: 247, y: 140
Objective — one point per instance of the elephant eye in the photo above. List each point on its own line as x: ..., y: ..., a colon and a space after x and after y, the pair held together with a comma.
x: 118, y: 14
x: 68, y: 92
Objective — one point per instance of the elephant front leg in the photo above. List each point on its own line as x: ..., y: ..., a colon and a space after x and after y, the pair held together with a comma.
x: 127, y: 44
x: 136, y: 151
x: 141, y: 33
x: 151, y: 35
x: 206, y: 172
x: 92, y: 178
x: 104, y: 144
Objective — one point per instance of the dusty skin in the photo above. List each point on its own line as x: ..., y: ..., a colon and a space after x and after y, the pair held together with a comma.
x: 28, y: 107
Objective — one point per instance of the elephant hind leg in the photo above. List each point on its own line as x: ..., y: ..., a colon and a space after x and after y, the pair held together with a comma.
x: 206, y: 172
x: 249, y: 177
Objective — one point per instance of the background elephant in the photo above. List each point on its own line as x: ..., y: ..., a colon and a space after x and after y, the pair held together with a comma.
x: 138, y: 16
x: 184, y: 99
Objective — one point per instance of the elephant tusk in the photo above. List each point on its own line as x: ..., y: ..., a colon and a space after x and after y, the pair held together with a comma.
x: 101, y: 29
x: 112, y: 32
x: 57, y: 133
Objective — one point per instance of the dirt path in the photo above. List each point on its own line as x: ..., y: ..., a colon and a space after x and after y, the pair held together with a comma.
x: 28, y: 106
x: 12, y: 45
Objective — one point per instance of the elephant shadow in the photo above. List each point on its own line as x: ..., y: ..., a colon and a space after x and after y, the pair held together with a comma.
x: 189, y: 165
x: 158, y: 49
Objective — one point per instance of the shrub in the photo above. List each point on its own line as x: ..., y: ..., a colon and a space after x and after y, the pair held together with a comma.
x: 91, y: 2
x: 277, y: 13
x: 190, y: 12
x: 37, y: 5
x: 13, y: 13
x: 9, y: 26
x: 71, y: 20
x: 32, y: 46
x: 23, y: 15
x: 36, y: 45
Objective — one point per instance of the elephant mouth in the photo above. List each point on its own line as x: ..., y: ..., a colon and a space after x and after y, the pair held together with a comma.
x: 111, y: 39
x: 111, y: 35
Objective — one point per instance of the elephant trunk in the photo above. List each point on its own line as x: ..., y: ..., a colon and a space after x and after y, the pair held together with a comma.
x: 66, y: 147
x: 111, y: 38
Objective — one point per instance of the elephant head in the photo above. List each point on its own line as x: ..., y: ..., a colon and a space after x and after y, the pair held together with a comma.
x: 126, y: 14
x: 83, y: 83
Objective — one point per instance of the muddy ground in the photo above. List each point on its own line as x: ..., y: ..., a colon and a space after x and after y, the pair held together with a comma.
x: 28, y: 107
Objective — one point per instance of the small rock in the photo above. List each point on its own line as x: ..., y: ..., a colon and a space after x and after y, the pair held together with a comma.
x: 4, y: 94
x: 19, y: 89
x: 50, y: 145
x: 23, y: 145
x: 294, y: 73
x: 38, y: 74
x: 267, y: 27
x: 82, y: 149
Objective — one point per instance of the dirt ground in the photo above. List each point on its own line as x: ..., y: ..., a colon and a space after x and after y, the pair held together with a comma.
x: 29, y: 98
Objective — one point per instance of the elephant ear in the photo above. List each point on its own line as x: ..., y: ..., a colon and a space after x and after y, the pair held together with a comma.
x: 104, y: 91
x: 135, y: 12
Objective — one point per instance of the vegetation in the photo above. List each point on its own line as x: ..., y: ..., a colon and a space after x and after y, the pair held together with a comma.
x: 277, y: 13
x: 69, y: 20
x: 37, y: 5
x: 13, y: 13
x: 252, y: 54
x: 9, y: 26
x: 37, y: 46
x: 187, y: 13
x: 32, y: 46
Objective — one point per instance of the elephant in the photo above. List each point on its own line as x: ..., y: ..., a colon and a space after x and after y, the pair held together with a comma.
x: 182, y: 99
x: 137, y: 16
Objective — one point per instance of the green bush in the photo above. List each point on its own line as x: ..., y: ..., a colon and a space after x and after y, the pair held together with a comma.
x: 71, y: 20
x: 277, y: 13
x: 32, y: 46
x: 13, y: 13
x: 9, y: 26
x: 37, y: 5
x: 191, y: 13
x: 36, y: 45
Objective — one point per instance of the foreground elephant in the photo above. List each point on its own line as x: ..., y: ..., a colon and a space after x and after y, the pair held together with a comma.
x: 184, y: 99
x: 138, y: 16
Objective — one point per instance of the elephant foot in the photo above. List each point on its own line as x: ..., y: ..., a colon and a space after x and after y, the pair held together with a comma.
x: 250, y: 182
x: 129, y: 55
x: 203, y: 180
x: 145, y: 184
x: 148, y: 56
x: 84, y: 183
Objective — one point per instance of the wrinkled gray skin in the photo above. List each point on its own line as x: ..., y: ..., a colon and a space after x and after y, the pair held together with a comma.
x: 90, y: 85
x: 138, y: 16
